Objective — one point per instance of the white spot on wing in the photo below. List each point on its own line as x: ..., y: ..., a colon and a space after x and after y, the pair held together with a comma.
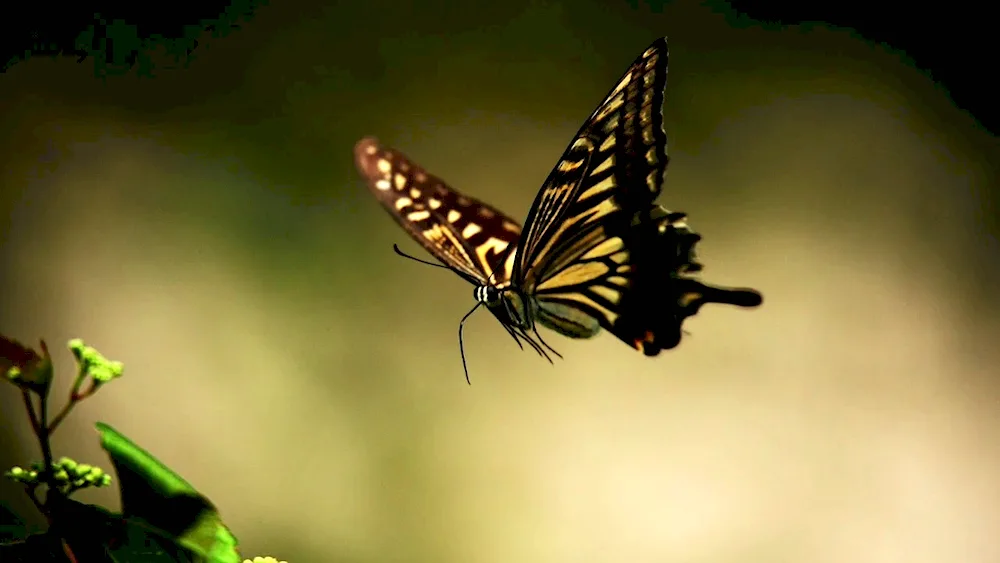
x: 470, y: 230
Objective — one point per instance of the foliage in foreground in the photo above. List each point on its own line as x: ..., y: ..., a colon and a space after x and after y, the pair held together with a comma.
x: 163, y: 518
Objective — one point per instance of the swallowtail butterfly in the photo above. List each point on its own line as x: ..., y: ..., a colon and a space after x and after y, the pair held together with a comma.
x: 596, y: 252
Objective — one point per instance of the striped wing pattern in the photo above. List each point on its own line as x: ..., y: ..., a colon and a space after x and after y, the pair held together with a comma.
x: 466, y: 234
x: 614, y: 166
x: 578, y: 257
x: 596, y: 252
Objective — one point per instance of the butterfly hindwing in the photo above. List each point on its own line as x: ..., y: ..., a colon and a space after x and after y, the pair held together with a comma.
x: 466, y: 234
x: 575, y: 259
x: 663, y: 290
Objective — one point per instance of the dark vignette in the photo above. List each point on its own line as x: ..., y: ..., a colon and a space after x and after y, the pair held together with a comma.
x: 951, y: 41
x: 118, y: 38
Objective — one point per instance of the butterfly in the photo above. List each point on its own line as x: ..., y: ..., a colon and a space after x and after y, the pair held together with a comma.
x: 596, y: 251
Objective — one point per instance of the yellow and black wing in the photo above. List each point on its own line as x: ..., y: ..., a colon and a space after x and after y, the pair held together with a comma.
x: 592, y: 254
x: 573, y: 261
x: 467, y: 235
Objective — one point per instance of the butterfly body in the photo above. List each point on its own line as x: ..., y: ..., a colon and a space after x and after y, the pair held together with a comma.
x: 506, y: 304
x: 596, y: 251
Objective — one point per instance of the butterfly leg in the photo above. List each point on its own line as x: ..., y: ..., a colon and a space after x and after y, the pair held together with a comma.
x: 513, y: 335
x: 534, y: 345
x: 546, y: 344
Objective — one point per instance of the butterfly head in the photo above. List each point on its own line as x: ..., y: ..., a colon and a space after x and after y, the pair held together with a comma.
x: 489, y: 295
x: 506, y: 304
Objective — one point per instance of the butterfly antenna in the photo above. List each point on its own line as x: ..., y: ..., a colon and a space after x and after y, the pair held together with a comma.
x: 414, y: 258
x: 544, y: 343
x: 461, y: 341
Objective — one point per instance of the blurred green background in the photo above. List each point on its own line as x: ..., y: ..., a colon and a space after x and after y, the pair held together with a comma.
x: 207, y: 227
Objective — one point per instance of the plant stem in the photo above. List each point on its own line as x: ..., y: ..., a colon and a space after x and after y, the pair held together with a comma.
x: 31, y: 410
x: 34, y: 498
x: 62, y: 414
x: 43, y: 439
x: 75, y: 396
x: 68, y: 551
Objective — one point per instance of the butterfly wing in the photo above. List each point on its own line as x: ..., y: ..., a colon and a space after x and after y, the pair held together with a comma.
x: 574, y: 262
x: 593, y: 254
x: 613, y: 167
x: 465, y: 234
x: 664, y: 290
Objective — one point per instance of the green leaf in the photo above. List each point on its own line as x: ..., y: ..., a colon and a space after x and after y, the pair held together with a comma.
x: 12, y: 527
x: 97, y: 535
x: 153, y: 494
x: 36, y: 548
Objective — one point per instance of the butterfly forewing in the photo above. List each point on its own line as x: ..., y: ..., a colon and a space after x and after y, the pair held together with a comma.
x: 466, y: 234
x: 613, y: 167
x: 576, y: 258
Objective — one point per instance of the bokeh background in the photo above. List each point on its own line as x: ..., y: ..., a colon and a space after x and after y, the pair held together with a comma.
x: 207, y: 227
